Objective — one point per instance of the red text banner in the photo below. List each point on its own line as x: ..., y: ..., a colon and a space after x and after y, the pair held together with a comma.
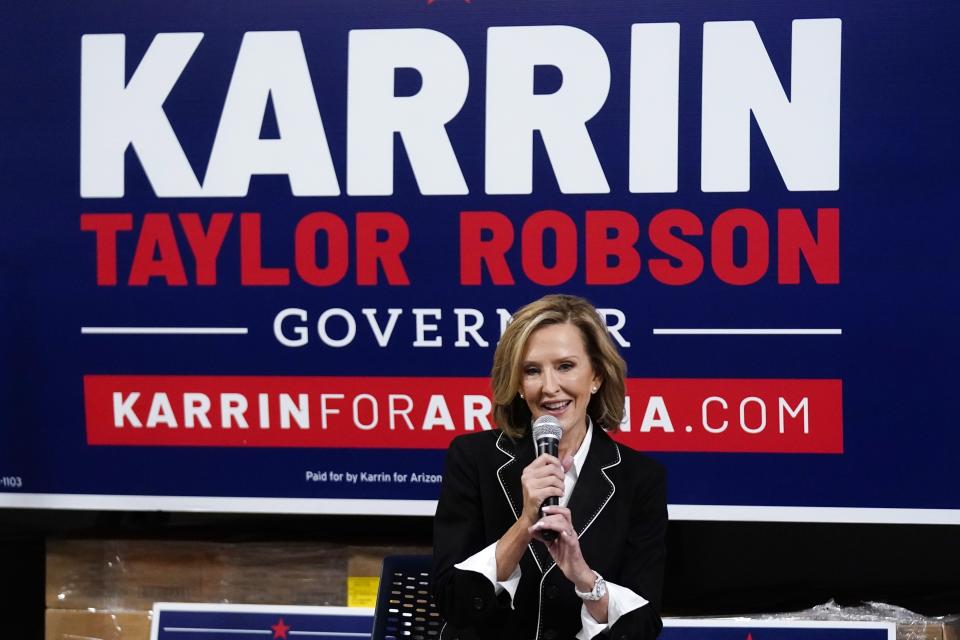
x: 718, y: 415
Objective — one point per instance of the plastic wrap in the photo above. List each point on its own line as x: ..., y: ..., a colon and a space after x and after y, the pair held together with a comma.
x: 910, y: 625
x: 105, y: 589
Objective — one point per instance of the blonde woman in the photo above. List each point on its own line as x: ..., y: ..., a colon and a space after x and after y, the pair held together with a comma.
x: 495, y: 575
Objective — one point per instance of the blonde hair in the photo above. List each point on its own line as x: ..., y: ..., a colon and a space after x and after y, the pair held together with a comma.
x: 606, y: 407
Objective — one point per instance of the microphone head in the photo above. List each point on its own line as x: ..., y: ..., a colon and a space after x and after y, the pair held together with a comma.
x: 547, y: 427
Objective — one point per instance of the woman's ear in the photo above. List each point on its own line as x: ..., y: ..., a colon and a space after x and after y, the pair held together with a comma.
x: 597, y: 381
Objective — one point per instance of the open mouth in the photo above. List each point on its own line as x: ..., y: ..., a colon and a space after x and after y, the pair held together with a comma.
x: 555, y: 407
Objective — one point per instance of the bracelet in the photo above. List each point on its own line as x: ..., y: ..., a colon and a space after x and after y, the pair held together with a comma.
x: 599, y: 589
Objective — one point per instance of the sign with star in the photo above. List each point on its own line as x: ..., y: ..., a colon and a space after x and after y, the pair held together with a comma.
x: 744, y: 628
x: 189, y: 621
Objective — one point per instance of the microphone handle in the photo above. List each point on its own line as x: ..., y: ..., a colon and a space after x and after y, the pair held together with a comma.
x: 552, y: 447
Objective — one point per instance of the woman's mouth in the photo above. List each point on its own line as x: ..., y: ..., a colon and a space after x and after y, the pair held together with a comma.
x: 556, y: 407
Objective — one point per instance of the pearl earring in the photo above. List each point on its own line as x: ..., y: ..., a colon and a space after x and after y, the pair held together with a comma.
x: 521, y: 395
x: 594, y: 390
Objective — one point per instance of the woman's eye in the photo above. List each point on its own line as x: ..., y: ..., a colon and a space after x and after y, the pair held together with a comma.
x: 530, y: 371
x: 566, y: 366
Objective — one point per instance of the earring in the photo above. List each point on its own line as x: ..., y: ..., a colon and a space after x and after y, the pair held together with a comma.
x: 594, y: 390
x: 521, y: 395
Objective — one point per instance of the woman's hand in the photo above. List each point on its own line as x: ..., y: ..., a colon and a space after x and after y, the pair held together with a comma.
x: 541, y: 479
x: 565, y: 548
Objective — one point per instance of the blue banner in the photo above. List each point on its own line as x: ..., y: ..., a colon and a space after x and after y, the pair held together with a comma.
x: 257, y: 256
x: 773, y: 629
x: 186, y: 621
x: 182, y: 621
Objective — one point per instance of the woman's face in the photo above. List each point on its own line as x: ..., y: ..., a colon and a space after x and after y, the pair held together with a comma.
x: 557, y: 376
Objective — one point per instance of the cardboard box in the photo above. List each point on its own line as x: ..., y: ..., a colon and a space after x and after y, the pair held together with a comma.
x: 104, y: 589
x: 132, y: 575
x: 68, y: 624
x: 286, y: 573
x: 128, y: 575
x: 948, y: 629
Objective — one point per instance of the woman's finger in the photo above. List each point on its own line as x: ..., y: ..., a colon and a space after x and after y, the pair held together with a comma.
x: 538, y: 484
x: 555, y: 523
x: 545, y: 462
x: 543, y: 472
x: 566, y: 535
x: 558, y: 523
x: 539, y: 528
x: 544, y: 483
x: 560, y: 511
x: 545, y: 459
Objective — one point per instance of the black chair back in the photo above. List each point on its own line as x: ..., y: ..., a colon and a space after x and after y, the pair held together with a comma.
x: 405, y: 609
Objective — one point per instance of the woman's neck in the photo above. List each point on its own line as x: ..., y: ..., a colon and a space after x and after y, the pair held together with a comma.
x: 571, y: 441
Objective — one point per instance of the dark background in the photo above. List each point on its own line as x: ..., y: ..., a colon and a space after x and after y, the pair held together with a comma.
x: 896, y: 301
x: 713, y: 568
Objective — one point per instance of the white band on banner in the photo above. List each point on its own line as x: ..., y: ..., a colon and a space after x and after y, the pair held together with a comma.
x: 331, y: 506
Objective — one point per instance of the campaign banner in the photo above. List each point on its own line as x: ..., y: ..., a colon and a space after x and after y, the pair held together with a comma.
x: 786, y: 628
x: 187, y: 621
x: 423, y: 413
x: 257, y: 256
x: 184, y: 621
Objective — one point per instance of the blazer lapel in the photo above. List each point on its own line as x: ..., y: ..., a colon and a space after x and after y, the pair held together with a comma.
x: 594, y: 488
x: 518, y: 454
x: 591, y: 494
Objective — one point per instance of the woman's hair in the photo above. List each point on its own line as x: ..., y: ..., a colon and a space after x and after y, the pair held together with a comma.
x: 606, y: 407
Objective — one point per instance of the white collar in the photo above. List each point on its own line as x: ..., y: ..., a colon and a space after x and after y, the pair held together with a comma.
x: 581, y: 455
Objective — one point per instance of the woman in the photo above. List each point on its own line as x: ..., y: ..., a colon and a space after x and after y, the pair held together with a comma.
x: 495, y: 576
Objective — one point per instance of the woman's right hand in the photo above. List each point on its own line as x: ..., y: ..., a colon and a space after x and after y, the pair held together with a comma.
x: 540, y: 480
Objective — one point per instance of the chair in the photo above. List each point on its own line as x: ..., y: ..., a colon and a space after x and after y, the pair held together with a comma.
x: 405, y: 609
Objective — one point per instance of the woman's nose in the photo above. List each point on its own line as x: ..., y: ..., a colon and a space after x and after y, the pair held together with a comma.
x: 551, y: 383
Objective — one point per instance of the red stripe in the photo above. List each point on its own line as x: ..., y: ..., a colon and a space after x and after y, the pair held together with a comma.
x: 761, y: 415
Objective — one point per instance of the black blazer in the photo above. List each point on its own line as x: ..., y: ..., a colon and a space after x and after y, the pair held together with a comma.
x: 619, y: 511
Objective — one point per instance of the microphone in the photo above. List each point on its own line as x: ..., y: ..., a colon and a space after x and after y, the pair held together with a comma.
x: 546, y: 434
